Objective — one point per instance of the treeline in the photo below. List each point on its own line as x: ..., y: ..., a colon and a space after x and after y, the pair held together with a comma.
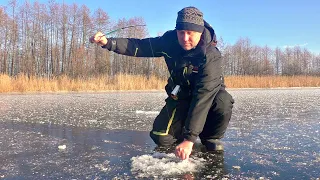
x: 243, y: 58
x: 52, y: 39
x: 49, y: 40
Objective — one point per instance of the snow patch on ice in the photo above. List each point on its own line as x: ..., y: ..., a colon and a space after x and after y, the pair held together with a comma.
x: 164, y: 164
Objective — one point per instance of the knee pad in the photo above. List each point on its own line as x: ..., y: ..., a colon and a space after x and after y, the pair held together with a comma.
x: 165, y: 140
x: 223, y: 103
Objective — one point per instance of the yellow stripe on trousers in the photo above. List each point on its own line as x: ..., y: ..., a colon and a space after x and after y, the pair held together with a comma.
x: 135, y: 53
x: 168, y: 127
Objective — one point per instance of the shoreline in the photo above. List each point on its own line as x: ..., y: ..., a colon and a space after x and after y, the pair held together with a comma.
x: 145, y: 91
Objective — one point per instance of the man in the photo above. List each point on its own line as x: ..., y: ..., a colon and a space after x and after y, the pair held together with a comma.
x: 197, y: 103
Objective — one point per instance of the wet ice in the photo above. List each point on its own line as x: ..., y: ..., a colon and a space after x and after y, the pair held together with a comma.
x: 273, y: 134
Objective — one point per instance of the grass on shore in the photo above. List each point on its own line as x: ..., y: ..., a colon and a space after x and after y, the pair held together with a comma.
x: 24, y: 83
x: 271, y: 81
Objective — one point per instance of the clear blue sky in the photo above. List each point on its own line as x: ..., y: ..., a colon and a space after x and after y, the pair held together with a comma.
x: 276, y: 23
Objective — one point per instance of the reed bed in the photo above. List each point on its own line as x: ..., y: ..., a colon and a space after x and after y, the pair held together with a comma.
x: 23, y: 83
x: 271, y: 81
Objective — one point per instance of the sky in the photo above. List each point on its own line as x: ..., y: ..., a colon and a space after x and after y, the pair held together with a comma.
x: 276, y: 23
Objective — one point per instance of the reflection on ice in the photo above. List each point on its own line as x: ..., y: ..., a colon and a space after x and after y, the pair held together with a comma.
x: 164, y: 164
x: 147, y: 112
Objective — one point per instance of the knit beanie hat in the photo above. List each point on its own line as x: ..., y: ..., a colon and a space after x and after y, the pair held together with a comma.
x: 190, y: 18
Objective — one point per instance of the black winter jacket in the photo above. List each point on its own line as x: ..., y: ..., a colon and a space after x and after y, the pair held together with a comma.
x: 197, y: 71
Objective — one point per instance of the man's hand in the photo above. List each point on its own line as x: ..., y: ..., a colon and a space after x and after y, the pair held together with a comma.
x: 183, y: 150
x: 99, y: 38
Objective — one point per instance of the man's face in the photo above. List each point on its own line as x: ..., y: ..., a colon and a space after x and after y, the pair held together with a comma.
x: 188, y: 39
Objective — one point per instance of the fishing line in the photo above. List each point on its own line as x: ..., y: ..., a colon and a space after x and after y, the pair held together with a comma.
x: 113, y: 31
x: 166, y: 102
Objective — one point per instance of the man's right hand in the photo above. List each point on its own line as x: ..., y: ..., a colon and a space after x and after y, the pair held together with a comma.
x: 99, y: 38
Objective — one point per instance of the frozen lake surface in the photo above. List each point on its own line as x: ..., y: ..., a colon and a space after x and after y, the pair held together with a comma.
x: 273, y: 134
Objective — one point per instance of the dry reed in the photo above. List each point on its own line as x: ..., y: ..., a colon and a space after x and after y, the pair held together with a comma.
x: 271, y: 81
x: 23, y: 83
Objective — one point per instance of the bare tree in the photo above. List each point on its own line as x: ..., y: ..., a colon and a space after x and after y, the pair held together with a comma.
x: 51, y: 39
x: 267, y: 68
x: 278, y: 60
x: 101, y: 58
x: 13, y: 37
x: 306, y: 59
x: 4, y: 19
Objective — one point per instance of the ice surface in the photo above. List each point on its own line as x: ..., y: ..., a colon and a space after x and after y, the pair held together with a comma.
x: 273, y: 134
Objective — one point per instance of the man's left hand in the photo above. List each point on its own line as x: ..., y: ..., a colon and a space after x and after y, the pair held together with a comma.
x: 183, y: 150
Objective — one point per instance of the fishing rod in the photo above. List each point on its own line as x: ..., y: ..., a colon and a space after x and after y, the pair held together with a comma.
x: 110, y: 32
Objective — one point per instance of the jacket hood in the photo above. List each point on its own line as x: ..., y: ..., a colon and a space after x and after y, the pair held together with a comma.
x: 211, y: 36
